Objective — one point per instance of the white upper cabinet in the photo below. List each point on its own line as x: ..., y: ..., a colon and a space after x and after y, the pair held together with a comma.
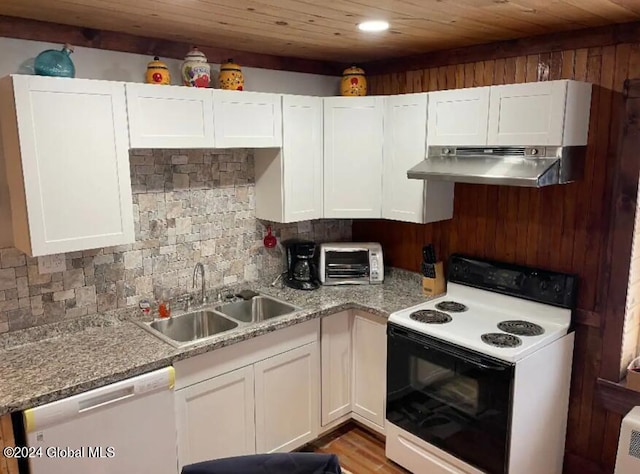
x: 247, y: 119
x: 66, y: 153
x: 540, y: 113
x: 554, y: 113
x: 289, y: 183
x: 303, y: 158
x: 405, y: 137
x: 353, y: 136
x: 458, y: 116
x: 169, y: 116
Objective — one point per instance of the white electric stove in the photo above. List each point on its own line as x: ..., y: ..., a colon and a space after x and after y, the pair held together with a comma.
x: 478, y: 379
x: 505, y: 327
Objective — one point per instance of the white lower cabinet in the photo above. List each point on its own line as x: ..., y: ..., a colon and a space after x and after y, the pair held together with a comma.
x: 354, y: 357
x: 287, y: 397
x: 265, y: 395
x: 336, y: 356
x: 256, y: 396
x: 369, y: 369
x: 215, y: 418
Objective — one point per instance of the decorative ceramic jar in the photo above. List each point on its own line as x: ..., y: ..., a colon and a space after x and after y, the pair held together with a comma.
x: 196, y: 71
x: 231, y: 77
x: 157, y: 72
x: 55, y: 63
x: 354, y: 82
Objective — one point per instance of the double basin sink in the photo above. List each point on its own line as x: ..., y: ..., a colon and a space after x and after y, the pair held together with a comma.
x: 195, y: 326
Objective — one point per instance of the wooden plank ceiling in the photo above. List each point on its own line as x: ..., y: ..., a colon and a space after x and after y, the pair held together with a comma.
x: 327, y: 30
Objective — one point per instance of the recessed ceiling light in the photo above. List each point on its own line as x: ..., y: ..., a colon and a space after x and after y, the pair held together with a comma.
x: 373, y: 25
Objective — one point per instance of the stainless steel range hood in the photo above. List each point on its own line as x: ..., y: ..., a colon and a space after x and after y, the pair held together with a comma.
x: 531, y: 166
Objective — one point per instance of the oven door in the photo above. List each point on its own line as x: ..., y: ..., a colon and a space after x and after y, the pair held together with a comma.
x: 451, y: 397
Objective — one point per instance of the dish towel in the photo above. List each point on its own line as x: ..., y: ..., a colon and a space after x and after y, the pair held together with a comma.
x: 276, y: 463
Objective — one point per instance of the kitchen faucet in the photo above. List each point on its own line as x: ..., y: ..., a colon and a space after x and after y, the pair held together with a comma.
x: 200, y: 267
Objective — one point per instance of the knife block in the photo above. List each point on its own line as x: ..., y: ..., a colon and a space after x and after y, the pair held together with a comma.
x: 434, y: 286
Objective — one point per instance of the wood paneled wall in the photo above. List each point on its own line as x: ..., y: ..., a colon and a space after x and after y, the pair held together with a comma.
x: 564, y: 228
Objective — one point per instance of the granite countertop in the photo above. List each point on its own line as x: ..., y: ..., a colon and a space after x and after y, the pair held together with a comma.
x: 44, y: 364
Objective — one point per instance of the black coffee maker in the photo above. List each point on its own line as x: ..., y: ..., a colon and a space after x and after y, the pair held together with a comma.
x: 301, y: 271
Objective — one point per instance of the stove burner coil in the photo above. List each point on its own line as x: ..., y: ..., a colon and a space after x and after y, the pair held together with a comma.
x: 521, y: 328
x: 451, y: 307
x: 500, y: 339
x: 430, y: 316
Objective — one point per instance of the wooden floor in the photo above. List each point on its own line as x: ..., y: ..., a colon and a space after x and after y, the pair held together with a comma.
x: 359, y: 451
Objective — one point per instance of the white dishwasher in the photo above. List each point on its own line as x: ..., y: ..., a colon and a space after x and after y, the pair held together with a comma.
x: 127, y: 427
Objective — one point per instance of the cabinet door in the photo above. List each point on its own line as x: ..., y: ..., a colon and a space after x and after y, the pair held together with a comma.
x: 287, y: 405
x: 336, y: 356
x: 289, y: 182
x: 169, y: 117
x: 458, y: 117
x: 303, y: 158
x: 67, y: 159
x: 405, y: 137
x: 215, y: 418
x: 353, y: 136
x: 247, y: 119
x: 369, y: 368
x: 527, y: 114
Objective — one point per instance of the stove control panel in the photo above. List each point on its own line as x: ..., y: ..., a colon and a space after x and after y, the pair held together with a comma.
x: 543, y: 286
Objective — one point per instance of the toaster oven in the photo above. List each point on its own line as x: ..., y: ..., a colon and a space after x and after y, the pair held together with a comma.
x: 350, y: 263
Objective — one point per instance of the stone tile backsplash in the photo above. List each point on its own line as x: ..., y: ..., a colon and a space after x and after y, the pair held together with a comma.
x: 189, y: 206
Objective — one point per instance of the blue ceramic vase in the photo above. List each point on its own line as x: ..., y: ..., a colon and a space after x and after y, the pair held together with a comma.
x: 55, y: 63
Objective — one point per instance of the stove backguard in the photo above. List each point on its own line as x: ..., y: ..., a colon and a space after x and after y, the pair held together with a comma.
x: 453, y: 398
x: 542, y: 286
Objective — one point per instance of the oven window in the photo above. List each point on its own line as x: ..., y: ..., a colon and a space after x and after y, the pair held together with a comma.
x: 455, y: 399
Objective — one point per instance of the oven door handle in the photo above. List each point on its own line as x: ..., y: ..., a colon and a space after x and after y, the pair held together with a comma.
x: 483, y: 366
x: 469, y: 360
x: 477, y: 362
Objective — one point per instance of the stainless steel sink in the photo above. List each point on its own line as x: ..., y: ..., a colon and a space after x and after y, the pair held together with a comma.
x: 258, y: 308
x: 196, y: 326
x: 191, y: 327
